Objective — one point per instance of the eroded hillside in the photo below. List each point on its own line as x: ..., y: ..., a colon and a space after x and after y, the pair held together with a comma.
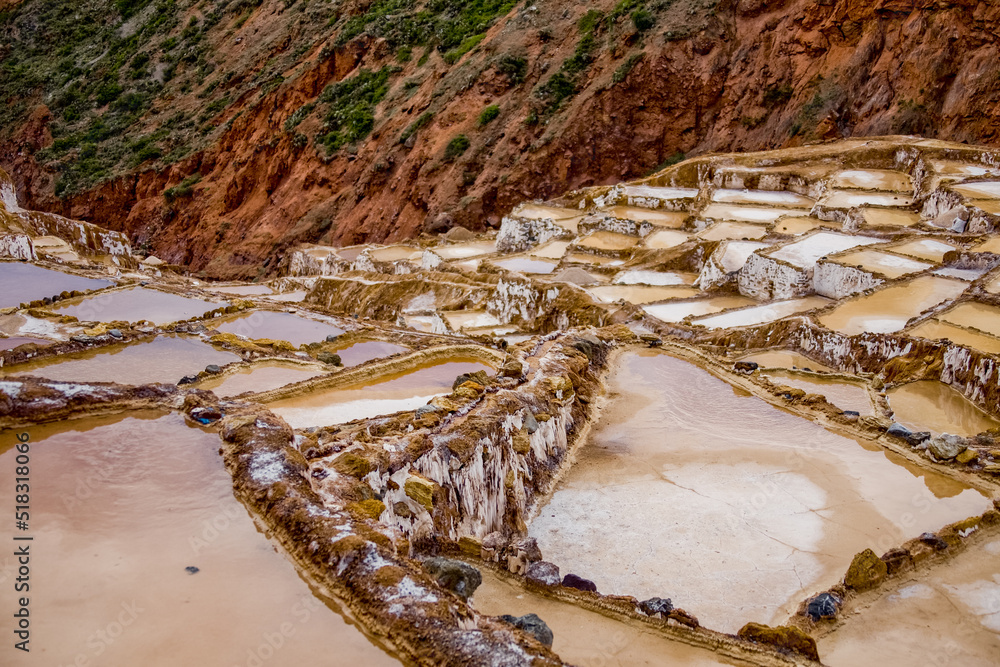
x: 219, y: 134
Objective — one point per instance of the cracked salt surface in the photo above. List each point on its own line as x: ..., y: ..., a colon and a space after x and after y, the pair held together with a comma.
x: 734, y: 509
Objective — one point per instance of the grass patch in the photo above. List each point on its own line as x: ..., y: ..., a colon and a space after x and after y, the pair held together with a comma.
x: 456, y: 148
x: 350, y: 114
x: 488, y: 115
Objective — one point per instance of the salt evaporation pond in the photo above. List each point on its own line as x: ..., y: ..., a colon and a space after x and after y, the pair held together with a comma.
x: 889, y: 309
x: 166, y: 358
x: 675, y: 312
x: 138, y: 303
x: 365, y: 351
x: 929, y: 405
x: 404, y: 391
x: 21, y: 282
x: 675, y: 219
x: 845, y: 395
x: 527, y: 265
x: 127, y: 504
x: 951, y: 616
x: 935, y: 330
x: 975, y: 315
x: 733, y: 508
x: 784, y: 359
x: 262, y: 376
x: 241, y: 290
x: 17, y: 341
x: 768, y: 312
x: 279, y: 326
x: 583, y: 637
x: 781, y: 197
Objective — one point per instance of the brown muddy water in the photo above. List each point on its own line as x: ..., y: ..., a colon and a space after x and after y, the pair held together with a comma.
x: 404, y: 391
x: 935, y: 330
x: 279, y: 326
x: 21, y: 282
x: 929, y: 405
x: 784, y: 359
x: 167, y: 358
x: 845, y: 395
x: 120, y: 507
x: 138, y: 303
x: 888, y: 310
x: 586, y: 638
x: 950, y: 616
x: 262, y: 376
x: 731, y: 507
x: 976, y: 316
x: 16, y: 341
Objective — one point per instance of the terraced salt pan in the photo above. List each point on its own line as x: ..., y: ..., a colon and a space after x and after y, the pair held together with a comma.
x: 804, y: 253
x: 466, y: 250
x: 460, y: 320
x: 639, y: 294
x: 566, y: 218
x: 991, y: 244
x: 935, y: 330
x: 365, y: 351
x: 296, y: 296
x: 596, y: 260
x: 128, y: 503
x: 672, y: 219
x: 666, y: 238
x: 404, y: 391
x: 138, y: 303
x: 166, y: 358
x: 768, y: 312
x: 988, y: 205
x: 773, y: 506
x: 527, y: 265
x: 21, y: 282
x: 962, y: 274
x: 974, y: 315
x: 887, y: 217
x: 736, y: 254
x: 889, y: 309
x: 425, y: 323
x: 954, y: 168
x: 279, y: 326
x: 798, y: 225
x: 980, y: 190
x: 643, y: 277
x: 845, y: 395
x: 602, y: 240
x: 241, y: 290
x: 785, y: 359
x: 262, y: 376
x: 351, y: 253
x: 17, y: 341
x: 732, y: 230
x: 746, y: 213
x: 582, y: 637
x: 929, y: 249
x: 769, y: 197
x: 929, y: 405
x: 873, y: 179
x: 550, y: 250
x: 853, y: 199
x: 676, y: 312
x: 396, y: 253
x: 655, y: 192
x: 951, y: 616
x: 889, y: 265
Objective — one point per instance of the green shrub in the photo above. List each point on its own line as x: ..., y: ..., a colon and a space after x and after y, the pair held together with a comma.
x: 451, y: 57
x: 456, y: 147
x: 350, y: 116
x: 184, y: 189
x: 404, y: 54
x: 488, y: 115
x: 642, y: 19
x: 420, y: 122
x: 775, y: 95
x: 514, y: 68
x: 623, y: 70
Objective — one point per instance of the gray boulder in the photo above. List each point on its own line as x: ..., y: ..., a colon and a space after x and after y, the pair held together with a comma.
x: 533, y: 625
x: 456, y: 576
x: 543, y: 572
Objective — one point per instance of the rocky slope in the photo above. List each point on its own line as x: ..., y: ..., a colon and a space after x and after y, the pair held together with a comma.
x: 218, y: 134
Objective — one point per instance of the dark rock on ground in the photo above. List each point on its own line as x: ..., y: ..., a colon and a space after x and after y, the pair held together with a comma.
x: 823, y: 605
x: 213, y: 369
x: 866, y: 571
x: 329, y: 358
x: 187, y: 379
x: 533, y: 625
x: 543, y: 572
x: 745, y: 366
x: 206, y: 415
x: 456, y: 576
x: 579, y: 583
x: 115, y: 333
x: 933, y: 540
x: 654, y: 606
x: 897, y: 560
x: 782, y: 637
